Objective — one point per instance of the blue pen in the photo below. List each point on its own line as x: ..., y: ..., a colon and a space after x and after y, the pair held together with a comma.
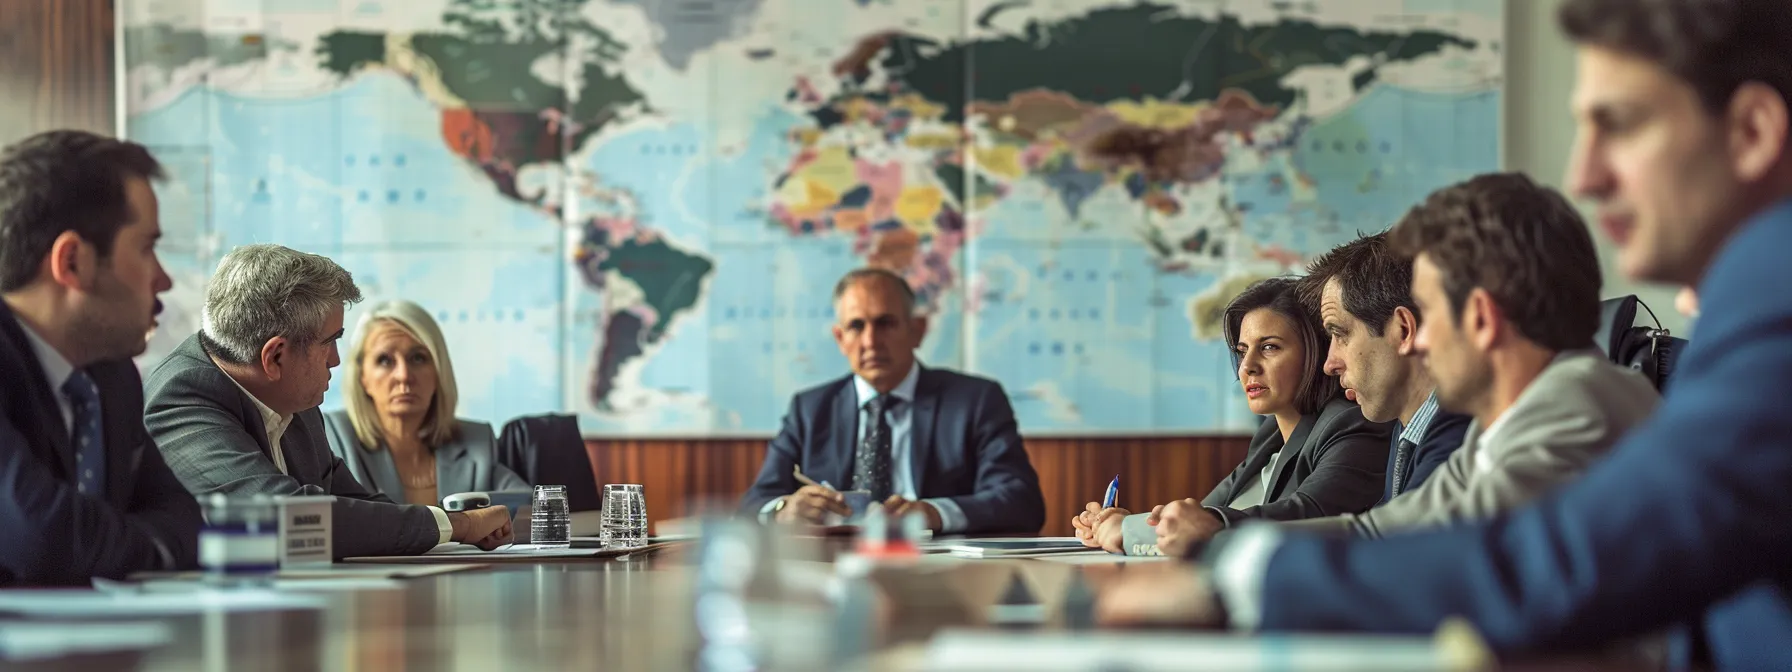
x: 1113, y: 497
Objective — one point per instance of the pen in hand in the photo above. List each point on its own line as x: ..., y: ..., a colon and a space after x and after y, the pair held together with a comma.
x: 1113, y: 495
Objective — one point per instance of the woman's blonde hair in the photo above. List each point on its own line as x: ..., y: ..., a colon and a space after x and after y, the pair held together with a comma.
x: 439, y: 424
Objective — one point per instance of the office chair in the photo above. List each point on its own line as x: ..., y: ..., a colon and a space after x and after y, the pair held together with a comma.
x: 548, y: 449
x: 1648, y: 350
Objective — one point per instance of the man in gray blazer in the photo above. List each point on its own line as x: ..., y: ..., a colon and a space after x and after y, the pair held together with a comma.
x: 234, y: 408
x: 1569, y: 415
x: 1510, y: 315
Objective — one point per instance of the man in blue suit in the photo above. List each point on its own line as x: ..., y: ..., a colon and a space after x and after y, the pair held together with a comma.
x: 933, y: 441
x: 1683, y: 113
x: 83, y: 491
x: 1364, y: 295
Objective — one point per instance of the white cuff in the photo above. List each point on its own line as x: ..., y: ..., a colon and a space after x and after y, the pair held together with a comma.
x: 442, y: 525
x: 1238, y: 573
x: 951, y: 515
x: 766, y: 512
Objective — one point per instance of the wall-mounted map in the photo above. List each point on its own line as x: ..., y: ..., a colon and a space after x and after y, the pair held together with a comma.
x: 635, y: 210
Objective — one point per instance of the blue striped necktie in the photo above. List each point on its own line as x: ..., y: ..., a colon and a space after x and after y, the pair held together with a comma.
x: 88, y: 436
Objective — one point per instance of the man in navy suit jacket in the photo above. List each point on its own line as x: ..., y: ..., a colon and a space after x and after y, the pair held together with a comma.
x: 1683, y: 108
x: 83, y: 490
x: 933, y: 441
x: 1363, y: 294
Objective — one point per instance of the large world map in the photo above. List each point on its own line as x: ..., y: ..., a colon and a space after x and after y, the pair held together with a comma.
x: 635, y: 210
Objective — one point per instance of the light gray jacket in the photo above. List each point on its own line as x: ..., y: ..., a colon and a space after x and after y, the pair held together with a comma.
x: 1564, y: 421
x: 469, y: 463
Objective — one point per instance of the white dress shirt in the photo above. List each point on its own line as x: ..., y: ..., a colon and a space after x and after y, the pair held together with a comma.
x: 276, y: 425
x: 901, y: 416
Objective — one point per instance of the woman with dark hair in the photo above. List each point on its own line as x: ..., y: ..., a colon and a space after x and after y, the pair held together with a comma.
x: 1314, y: 455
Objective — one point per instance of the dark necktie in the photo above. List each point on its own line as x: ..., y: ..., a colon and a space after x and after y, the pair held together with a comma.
x: 871, y: 464
x: 1402, y: 454
x: 89, y: 439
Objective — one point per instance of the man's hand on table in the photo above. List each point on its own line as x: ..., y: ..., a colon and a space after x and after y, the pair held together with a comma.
x: 811, y: 504
x: 1158, y: 594
x: 897, y: 507
x: 1099, y: 528
x: 487, y: 528
x: 1182, y: 524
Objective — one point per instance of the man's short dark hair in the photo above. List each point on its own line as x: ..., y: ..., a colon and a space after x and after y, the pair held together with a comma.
x: 1373, y: 278
x: 1715, y: 46
x: 1282, y: 295
x: 1521, y: 242
x: 63, y: 181
x: 871, y: 274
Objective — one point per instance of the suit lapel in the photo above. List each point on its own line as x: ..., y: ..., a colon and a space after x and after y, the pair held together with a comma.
x: 454, y: 473
x: 1267, y: 441
x: 920, y: 436
x: 49, y: 425
x: 384, y: 472
x: 1291, y: 452
x: 846, y: 427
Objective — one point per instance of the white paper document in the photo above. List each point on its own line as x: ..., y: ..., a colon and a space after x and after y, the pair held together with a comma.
x: 1097, y: 557
x: 77, y: 602
x: 983, y: 650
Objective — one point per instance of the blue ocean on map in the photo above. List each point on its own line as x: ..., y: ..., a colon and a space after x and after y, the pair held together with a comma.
x: 1073, y: 316
x: 1142, y: 366
x: 361, y: 175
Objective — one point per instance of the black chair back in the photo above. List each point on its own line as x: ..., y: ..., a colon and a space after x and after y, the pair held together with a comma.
x: 547, y: 449
x: 1649, y: 350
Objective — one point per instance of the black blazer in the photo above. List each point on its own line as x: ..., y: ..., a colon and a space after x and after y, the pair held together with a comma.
x: 212, y: 435
x: 54, y: 534
x: 966, y: 447
x: 1337, y: 466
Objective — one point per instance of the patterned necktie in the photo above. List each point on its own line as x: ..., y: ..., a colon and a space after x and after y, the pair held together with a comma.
x: 871, y: 464
x: 1402, y: 453
x: 89, y: 439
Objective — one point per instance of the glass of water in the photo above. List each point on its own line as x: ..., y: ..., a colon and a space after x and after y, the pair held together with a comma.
x: 550, y: 521
x: 625, y: 516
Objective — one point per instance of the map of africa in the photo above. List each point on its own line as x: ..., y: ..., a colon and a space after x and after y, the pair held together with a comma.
x: 635, y: 210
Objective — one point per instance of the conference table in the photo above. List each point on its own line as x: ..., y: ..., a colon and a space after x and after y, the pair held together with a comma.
x: 631, y: 613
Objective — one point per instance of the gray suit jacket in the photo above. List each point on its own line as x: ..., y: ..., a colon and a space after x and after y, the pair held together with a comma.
x: 467, y: 464
x: 213, y: 438
x: 1334, y: 461
x: 1566, y: 419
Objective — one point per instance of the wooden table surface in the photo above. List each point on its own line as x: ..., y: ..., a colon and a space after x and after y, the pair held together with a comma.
x: 622, y: 614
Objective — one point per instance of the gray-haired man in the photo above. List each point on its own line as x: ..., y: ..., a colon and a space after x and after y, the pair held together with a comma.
x: 234, y: 408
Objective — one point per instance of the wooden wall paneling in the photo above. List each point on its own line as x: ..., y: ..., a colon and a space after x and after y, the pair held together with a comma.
x: 56, y: 67
x: 681, y: 476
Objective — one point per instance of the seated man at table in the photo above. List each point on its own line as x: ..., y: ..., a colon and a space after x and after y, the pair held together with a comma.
x: 83, y: 491
x: 1506, y: 275
x: 919, y: 439
x: 234, y: 408
x: 1363, y: 291
x: 1683, y: 111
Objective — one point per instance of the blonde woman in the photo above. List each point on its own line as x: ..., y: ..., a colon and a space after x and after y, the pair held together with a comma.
x: 397, y: 432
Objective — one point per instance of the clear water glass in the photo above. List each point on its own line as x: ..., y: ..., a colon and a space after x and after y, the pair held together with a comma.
x: 625, y: 516
x: 550, y: 521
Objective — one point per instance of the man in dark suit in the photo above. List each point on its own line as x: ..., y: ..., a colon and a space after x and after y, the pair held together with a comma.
x: 1683, y: 108
x: 234, y: 408
x: 1363, y: 292
x: 83, y: 490
x: 919, y: 439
